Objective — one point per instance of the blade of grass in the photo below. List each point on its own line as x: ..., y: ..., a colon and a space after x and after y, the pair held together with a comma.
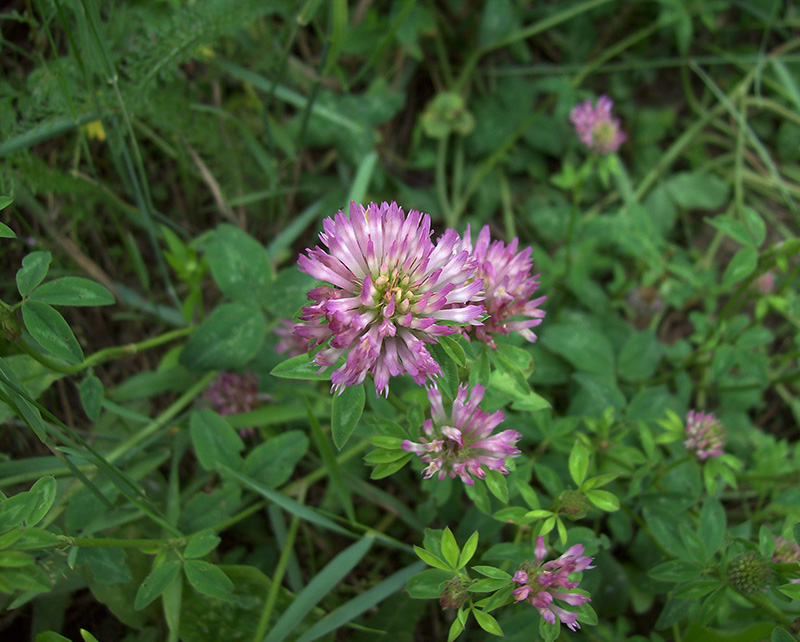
x: 324, y: 582
x: 287, y: 555
x: 751, y: 136
x: 290, y: 96
x: 292, y: 232
x: 304, y: 512
x: 362, y: 179
x: 294, y: 576
x: 329, y: 459
x: 350, y: 610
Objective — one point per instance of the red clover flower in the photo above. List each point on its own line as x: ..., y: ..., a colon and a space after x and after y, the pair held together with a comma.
x: 289, y: 341
x: 461, y: 443
x: 391, y: 292
x: 543, y: 583
x: 595, y: 126
x: 705, y: 434
x: 508, y: 286
x: 232, y: 392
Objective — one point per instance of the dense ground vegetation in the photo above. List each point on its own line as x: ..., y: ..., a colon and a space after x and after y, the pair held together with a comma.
x: 174, y: 467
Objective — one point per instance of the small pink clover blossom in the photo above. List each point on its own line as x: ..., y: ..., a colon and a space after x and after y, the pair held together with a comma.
x: 289, y: 342
x: 705, y: 434
x: 391, y: 293
x: 508, y: 286
x: 597, y: 129
x: 542, y: 583
x: 461, y: 443
x: 231, y: 393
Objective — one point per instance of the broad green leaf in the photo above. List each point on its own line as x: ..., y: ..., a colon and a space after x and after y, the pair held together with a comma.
x: 15, y: 559
x: 51, y: 331
x: 491, y: 571
x: 37, y: 538
x: 107, y: 565
x: 6, y: 232
x: 72, y: 290
x: 450, y: 547
x: 487, y: 586
x: 323, y: 583
x: 698, y: 191
x: 345, y: 413
x: 240, y: 265
x: 16, y: 509
x: 698, y: 588
x: 208, y: 579
x: 5, y: 201
x: 584, y: 347
x: 468, y: 551
x: 712, y: 525
x: 215, y: 441
x: 487, y: 622
x: 755, y: 226
x: 791, y: 590
x: 300, y: 367
x: 34, y: 269
x: 742, y: 264
x: 497, y: 485
x: 384, y: 470
x: 201, y: 544
x: 782, y: 635
x: 766, y: 541
x: 579, y: 462
x: 448, y: 381
x: 640, y: 356
x: 603, y: 500
x: 229, y: 337
x: 428, y: 584
x: 156, y: 583
x: 528, y: 494
x: 44, y: 492
x: 676, y: 571
x: 453, y: 348
x: 456, y: 628
x: 273, y: 462
x: 88, y: 637
x: 674, y: 610
x: 51, y: 636
x: 91, y: 391
x: 432, y: 560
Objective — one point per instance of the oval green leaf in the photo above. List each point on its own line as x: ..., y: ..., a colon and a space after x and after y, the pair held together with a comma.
x: 51, y: 331
x: 345, y: 413
x: 155, y: 584
x: 72, y: 290
x: 229, y: 338
x: 34, y: 269
x: 208, y: 579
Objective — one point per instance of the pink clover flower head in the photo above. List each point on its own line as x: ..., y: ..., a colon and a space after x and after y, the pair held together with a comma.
x: 232, y: 392
x: 508, y: 286
x: 786, y: 551
x: 597, y: 129
x: 392, y: 292
x: 766, y: 283
x: 705, y: 434
x: 541, y: 583
x: 289, y: 341
x: 460, y: 443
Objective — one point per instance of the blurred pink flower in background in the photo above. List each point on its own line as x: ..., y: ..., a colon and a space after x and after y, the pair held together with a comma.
x: 597, y: 129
